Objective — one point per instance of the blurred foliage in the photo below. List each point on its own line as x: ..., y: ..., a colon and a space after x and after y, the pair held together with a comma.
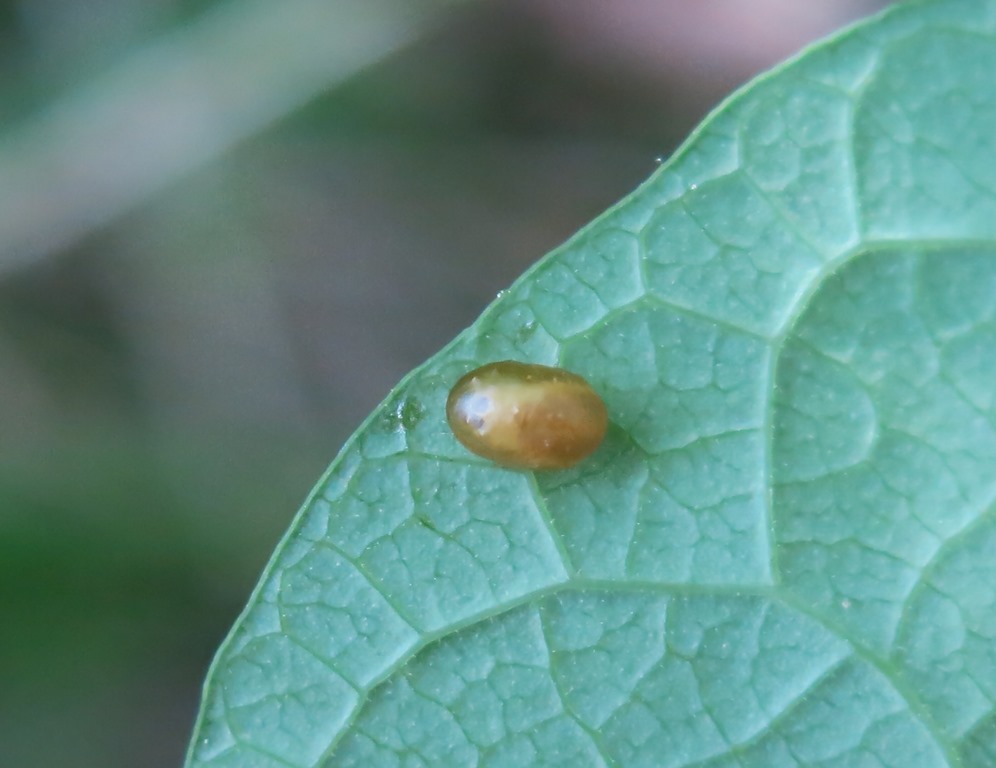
x: 172, y: 384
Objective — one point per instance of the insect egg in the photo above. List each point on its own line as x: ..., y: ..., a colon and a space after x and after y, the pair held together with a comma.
x: 526, y: 416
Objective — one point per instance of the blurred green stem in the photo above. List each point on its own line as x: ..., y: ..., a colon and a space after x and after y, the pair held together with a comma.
x: 177, y: 104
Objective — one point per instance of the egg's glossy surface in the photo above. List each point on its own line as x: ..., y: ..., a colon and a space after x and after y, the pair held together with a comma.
x: 526, y: 416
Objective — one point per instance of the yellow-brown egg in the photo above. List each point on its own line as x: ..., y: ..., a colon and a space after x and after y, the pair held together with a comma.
x: 526, y: 416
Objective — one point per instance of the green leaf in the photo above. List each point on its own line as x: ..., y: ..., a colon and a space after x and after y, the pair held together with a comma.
x: 783, y: 553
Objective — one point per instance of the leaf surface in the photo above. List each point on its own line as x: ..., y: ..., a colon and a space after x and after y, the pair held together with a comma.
x: 783, y: 553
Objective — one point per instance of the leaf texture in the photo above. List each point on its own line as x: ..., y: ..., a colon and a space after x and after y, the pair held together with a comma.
x: 783, y: 553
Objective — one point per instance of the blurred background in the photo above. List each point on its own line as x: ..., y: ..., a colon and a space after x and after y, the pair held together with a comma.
x: 227, y: 228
